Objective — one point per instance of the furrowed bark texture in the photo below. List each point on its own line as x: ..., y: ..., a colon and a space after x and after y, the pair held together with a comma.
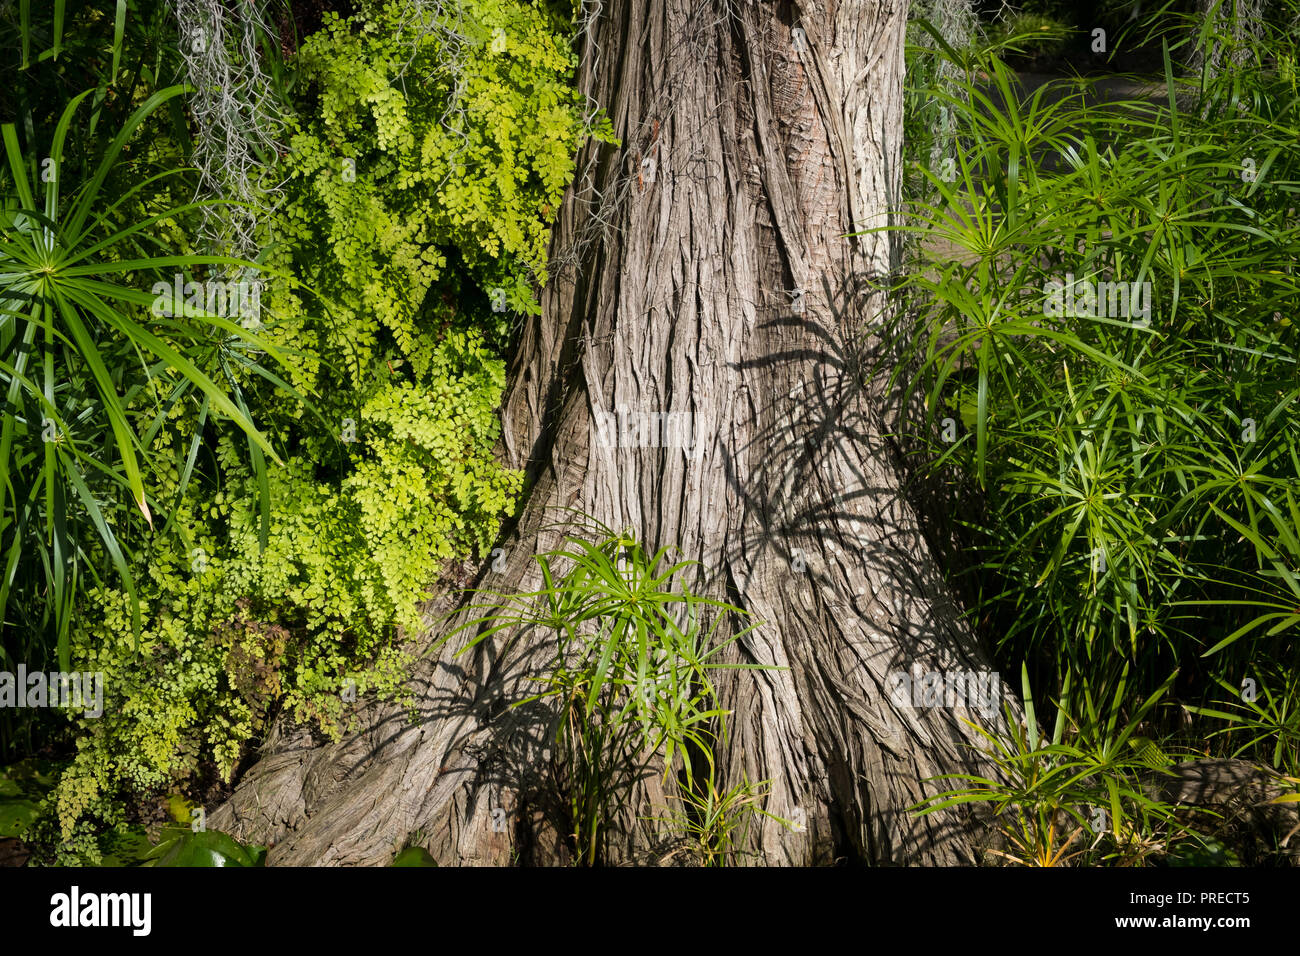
x: 704, y: 271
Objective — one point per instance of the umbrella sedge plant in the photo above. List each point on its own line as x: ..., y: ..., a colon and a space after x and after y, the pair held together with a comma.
x: 88, y: 375
x: 630, y: 673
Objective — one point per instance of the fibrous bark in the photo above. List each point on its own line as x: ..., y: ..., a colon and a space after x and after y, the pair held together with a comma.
x: 706, y: 270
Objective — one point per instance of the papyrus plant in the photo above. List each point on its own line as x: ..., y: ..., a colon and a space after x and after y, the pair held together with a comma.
x: 86, y: 371
x: 629, y: 679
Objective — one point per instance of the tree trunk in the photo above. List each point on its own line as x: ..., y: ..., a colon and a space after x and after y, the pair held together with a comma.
x: 1238, y: 30
x: 703, y: 270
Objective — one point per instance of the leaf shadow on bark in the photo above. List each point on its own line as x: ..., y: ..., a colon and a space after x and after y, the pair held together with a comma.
x: 829, y: 502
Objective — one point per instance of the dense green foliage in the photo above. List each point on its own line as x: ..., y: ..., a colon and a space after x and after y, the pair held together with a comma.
x: 73, y: 435
x: 1125, y: 471
x: 299, y: 473
x: 233, y: 513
